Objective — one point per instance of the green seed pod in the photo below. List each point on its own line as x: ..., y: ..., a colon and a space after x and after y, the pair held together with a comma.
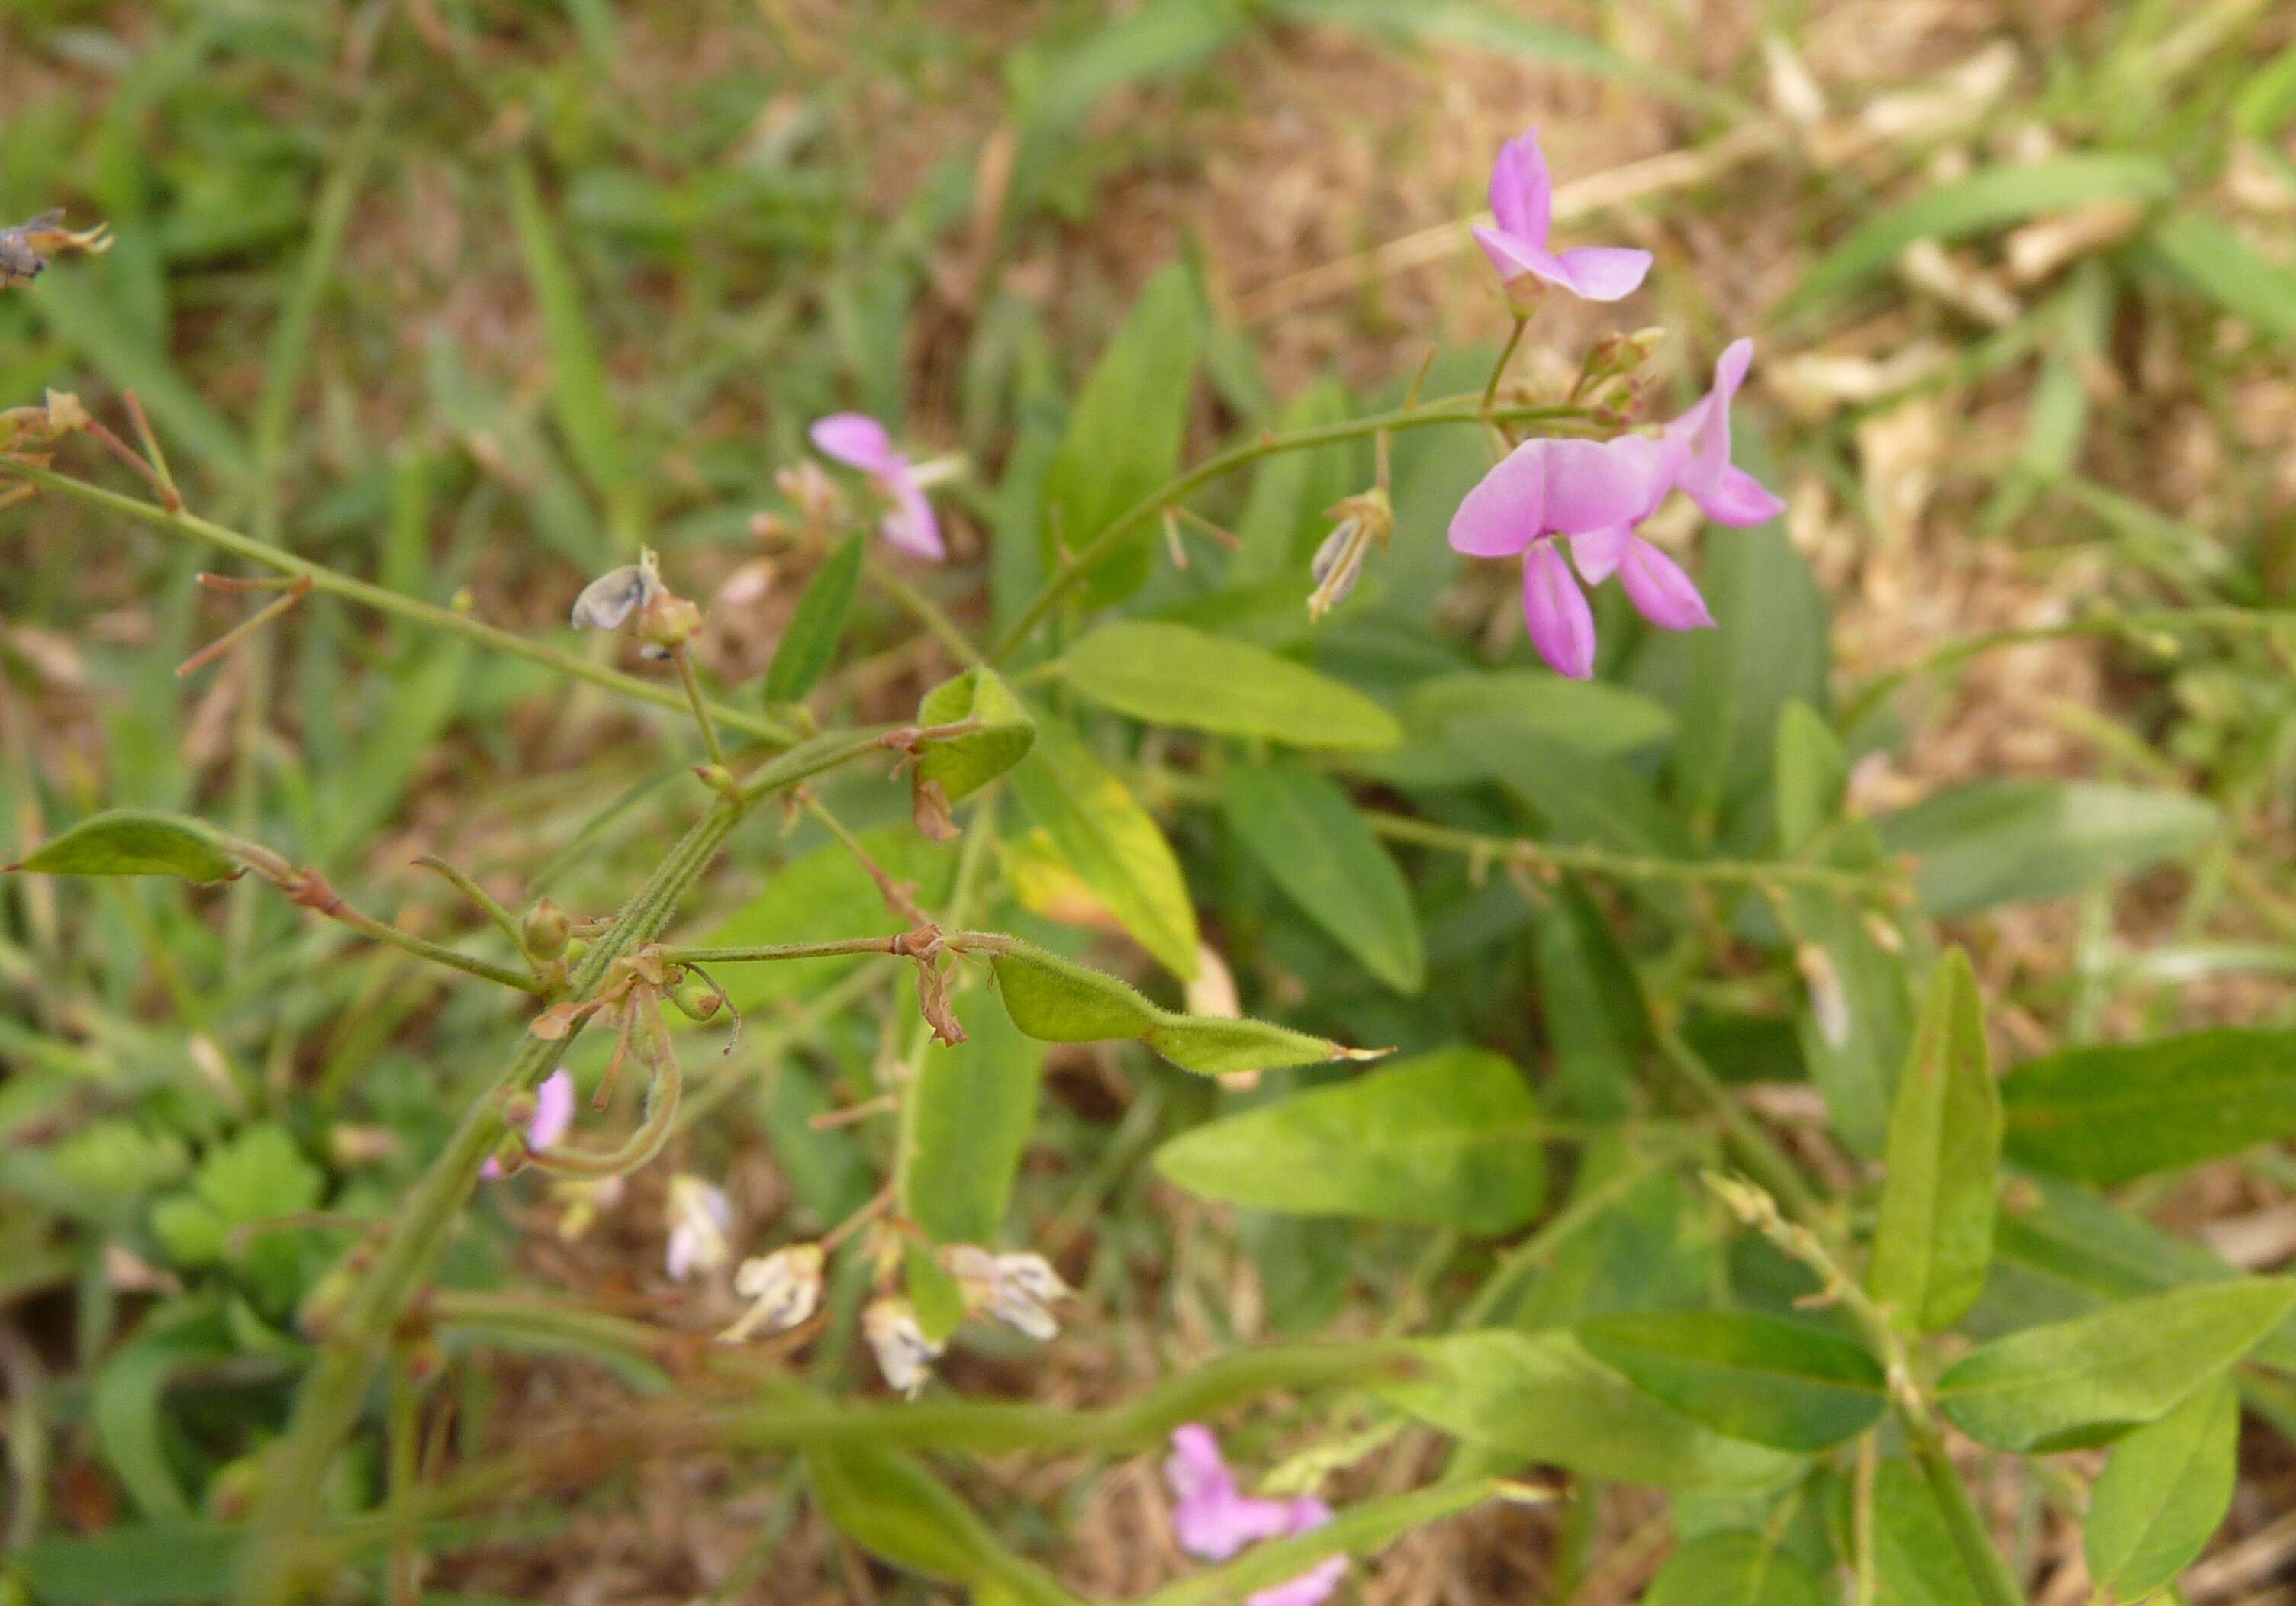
x: 697, y: 1000
x: 547, y: 931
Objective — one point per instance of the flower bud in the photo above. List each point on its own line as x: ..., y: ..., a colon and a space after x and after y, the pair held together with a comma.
x: 784, y: 1288
x: 1014, y: 1289
x: 697, y: 1000
x: 1364, y: 519
x: 545, y: 931
x: 1829, y: 1001
x: 611, y: 598
x: 904, y: 1354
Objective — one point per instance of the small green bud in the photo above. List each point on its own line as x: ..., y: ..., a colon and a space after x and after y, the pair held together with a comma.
x: 545, y: 931
x: 697, y: 1000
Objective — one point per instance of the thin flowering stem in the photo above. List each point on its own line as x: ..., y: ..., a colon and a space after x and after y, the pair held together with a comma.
x: 190, y: 525
x: 1507, y: 355
x: 699, y: 704
x: 923, y: 610
x: 769, y: 953
x: 485, y: 901
x: 291, y: 593
x: 1080, y: 562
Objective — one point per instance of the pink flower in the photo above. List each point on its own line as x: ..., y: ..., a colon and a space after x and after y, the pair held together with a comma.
x: 1597, y: 493
x: 1522, y: 199
x: 1213, y: 1520
x: 859, y: 441
x: 554, y: 1117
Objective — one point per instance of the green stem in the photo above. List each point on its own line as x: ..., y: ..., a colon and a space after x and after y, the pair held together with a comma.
x: 925, y: 611
x: 763, y: 952
x: 422, y: 947
x: 334, y: 1389
x: 1081, y: 562
x: 1506, y: 355
x: 698, y: 703
x: 385, y: 601
x: 1987, y: 1570
x: 1764, y: 1160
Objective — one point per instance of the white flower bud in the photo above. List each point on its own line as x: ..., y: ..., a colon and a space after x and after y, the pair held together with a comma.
x: 699, y: 1215
x: 904, y: 1354
x: 784, y: 1288
x: 1829, y: 1001
x: 607, y: 601
x: 1015, y: 1288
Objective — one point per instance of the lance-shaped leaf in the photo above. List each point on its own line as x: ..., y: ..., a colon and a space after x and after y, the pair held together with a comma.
x: 1736, y: 1568
x: 1171, y: 673
x: 2086, y: 1380
x: 965, y: 1121
x: 1541, y: 1397
x: 1304, y: 828
x: 130, y: 841
x: 1446, y: 1139
x: 2108, y: 1114
x: 1111, y: 842
x: 818, y: 624
x: 1752, y: 1376
x: 966, y: 763
x: 1055, y: 1000
x: 2162, y: 1494
x: 1935, y: 1237
x: 1916, y: 1562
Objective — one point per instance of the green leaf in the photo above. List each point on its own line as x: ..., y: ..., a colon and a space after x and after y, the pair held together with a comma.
x: 2165, y: 1489
x: 1916, y: 1562
x: 1108, y: 840
x: 1752, y: 1376
x: 1996, y: 842
x: 1812, y: 770
x: 2083, y: 1381
x: 1124, y: 435
x: 1304, y: 830
x: 818, y: 622
x: 1283, y: 517
x: 1734, y: 1569
x: 129, y: 841
x: 169, y: 1563
x: 887, y: 1504
x: 2110, y: 1113
x: 1541, y: 1397
x: 822, y: 895
x: 1446, y: 1139
x: 259, y: 1174
x: 1985, y: 201
x: 1054, y: 1000
x: 1454, y: 724
x: 2081, y: 1251
x: 126, y: 1402
x: 1854, y: 1058
x: 580, y: 398
x: 1486, y: 25
x: 1169, y: 674
x: 2226, y: 268
x: 963, y: 765
x: 1935, y: 1236
x: 965, y: 1121
x: 1590, y: 1005
x: 1768, y: 649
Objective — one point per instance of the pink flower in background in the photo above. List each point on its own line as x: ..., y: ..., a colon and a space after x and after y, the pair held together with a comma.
x: 1213, y: 1520
x: 554, y: 1117
x: 1522, y: 206
x: 1597, y: 493
x: 859, y: 441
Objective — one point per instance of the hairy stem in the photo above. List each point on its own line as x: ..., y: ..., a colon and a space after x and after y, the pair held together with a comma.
x: 381, y: 599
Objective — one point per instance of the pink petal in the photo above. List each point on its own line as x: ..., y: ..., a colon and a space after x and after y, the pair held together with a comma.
x: 1658, y: 589
x: 1554, y: 611
x: 1522, y: 195
x: 1513, y: 254
x: 1595, y: 554
x: 1506, y: 510
x: 911, y: 525
x: 491, y: 1169
x: 1594, y: 484
x: 857, y: 440
x: 1211, y: 1520
x: 1705, y: 428
x: 554, y: 1110
x: 1310, y: 1588
x: 1738, y: 499
x: 1603, y: 272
